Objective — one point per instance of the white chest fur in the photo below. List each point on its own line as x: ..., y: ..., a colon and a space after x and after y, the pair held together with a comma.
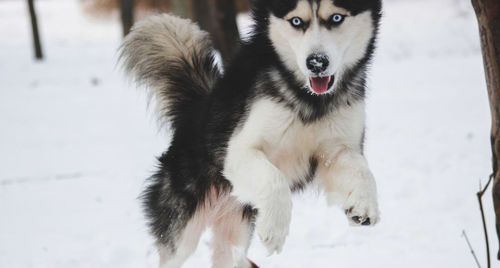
x: 289, y: 144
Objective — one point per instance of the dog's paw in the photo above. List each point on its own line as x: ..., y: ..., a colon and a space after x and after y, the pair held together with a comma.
x: 361, y: 208
x: 273, y: 222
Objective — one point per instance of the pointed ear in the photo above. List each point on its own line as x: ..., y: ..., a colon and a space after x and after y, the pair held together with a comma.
x: 278, y: 8
x: 273, y: 4
x: 281, y: 7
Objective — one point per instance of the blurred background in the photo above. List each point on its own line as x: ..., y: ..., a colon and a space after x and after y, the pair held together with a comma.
x: 77, y: 141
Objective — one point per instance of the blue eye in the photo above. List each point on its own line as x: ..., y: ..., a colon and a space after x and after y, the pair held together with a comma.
x: 296, y: 22
x: 337, y: 18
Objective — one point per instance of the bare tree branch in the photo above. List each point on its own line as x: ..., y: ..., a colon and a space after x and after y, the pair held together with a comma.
x: 480, y: 199
x: 471, y: 249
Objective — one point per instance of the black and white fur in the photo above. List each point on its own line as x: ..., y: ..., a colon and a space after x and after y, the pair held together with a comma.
x: 245, y: 139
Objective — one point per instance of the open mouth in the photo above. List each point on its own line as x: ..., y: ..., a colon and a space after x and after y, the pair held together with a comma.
x: 321, y: 84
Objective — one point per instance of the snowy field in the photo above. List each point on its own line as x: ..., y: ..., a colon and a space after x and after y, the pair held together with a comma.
x: 77, y: 142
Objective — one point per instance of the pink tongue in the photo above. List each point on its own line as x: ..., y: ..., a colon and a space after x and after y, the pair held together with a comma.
x: 320, y: 84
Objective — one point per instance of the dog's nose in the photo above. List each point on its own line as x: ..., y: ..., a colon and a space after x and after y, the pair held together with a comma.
x: 317, y: 62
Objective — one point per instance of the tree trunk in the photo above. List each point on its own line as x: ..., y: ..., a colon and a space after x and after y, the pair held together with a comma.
x: 34, y: 27
x: 182, y: 8
x: 242, y: 5
x: 488, y: 15
x: 127, y: 15
x: 218, y: 17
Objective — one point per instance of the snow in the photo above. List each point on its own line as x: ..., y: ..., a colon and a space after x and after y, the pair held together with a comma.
x: 77, y: 142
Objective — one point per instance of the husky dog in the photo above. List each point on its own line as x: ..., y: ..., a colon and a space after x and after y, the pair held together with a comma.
x: 288, y: 110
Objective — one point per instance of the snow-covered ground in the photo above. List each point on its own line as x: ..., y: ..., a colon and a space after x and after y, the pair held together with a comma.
x: 77, y: 142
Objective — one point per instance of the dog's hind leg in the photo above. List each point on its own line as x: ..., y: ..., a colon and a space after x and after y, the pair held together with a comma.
x: 174, y: 253
x: 232, y: 232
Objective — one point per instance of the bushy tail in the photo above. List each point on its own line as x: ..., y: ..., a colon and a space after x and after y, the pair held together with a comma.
x: 174, y: 59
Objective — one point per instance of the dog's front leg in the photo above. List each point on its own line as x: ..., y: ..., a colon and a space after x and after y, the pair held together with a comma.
x: 349, y: 182
x: 257, y: 181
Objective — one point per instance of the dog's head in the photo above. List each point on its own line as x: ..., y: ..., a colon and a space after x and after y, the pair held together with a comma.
x: 320, y: 40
